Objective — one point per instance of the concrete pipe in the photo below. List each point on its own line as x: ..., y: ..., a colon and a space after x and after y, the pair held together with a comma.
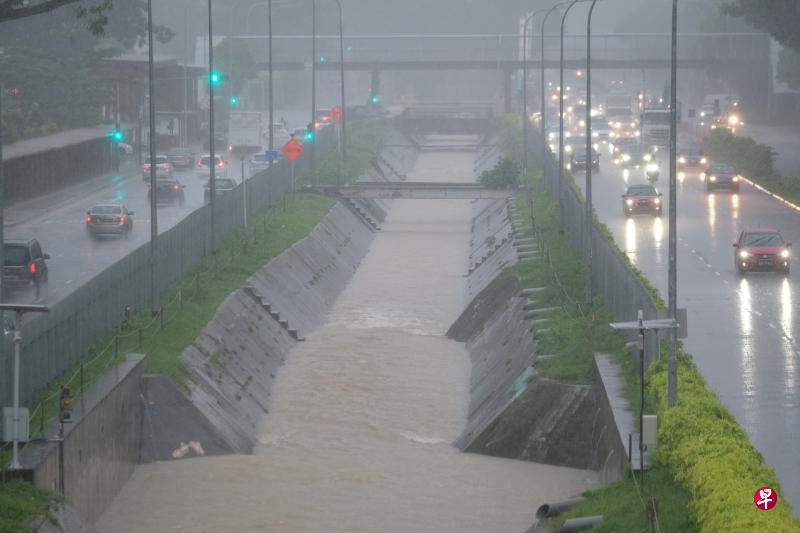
x: 549, y: 510
x: 581, y: 524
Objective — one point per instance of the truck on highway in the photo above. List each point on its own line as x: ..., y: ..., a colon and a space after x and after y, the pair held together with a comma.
x: 620, y: 113
x: 244, y: 130
x: 655, y: 126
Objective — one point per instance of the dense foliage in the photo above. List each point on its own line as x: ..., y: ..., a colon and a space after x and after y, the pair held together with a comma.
x: 750, y: 158
x: 779, y: 18
x: 505, y: 175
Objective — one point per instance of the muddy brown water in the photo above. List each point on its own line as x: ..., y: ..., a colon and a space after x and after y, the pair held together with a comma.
x: 364, y: 412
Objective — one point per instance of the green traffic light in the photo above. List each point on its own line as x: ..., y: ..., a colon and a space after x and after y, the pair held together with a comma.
x: 118, y: 135
x: 375, y: 99
x: 215, y: 78
x: 322, y: 59
x: 234, y: 100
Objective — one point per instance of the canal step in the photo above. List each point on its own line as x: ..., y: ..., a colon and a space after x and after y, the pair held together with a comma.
x: 250, y: 291
x: 360, y: 213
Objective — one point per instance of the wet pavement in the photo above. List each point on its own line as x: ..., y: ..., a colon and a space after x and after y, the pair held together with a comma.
x: 744, y: 331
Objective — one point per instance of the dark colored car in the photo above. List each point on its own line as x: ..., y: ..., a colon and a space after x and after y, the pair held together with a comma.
x: 221, y: 186
x: 637, y: 157
x: 168, y: 191
x: 622, y: 144
x: 640, y: 199
x: 691, y: 157
x: 181, y: 157
x: 577, y: 160
x: 110, y: 219
x: 761, y: 249
x: 25, y: 264
x: 721, y: 176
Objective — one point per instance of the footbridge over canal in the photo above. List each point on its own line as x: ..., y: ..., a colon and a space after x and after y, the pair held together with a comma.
x: 413, y: 190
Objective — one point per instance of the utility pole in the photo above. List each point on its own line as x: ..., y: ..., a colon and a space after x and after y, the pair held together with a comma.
x: 561, y: 125
x: 589, y: 231
x: 672, y: 378
x: 153, y: 190
x: 341, y: 74
x: 271, y: 103
x: 2, y: 209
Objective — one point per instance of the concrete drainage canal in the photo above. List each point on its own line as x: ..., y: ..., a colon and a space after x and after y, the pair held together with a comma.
x: 337, y: 389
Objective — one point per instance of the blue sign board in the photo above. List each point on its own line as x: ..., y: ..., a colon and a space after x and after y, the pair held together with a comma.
x: 271, y: 155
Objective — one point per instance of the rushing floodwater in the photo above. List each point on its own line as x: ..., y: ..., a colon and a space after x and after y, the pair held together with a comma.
x: 363, y: 413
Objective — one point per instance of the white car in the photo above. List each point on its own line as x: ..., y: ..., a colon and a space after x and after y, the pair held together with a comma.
x: 258, y: 163
x: 203, y: 170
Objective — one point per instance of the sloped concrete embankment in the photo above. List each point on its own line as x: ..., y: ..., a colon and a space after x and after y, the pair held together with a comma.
x: 514, y: 413
x: 234, y: 360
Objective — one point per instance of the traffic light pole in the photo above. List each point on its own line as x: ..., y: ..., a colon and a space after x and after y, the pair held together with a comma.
x: 341, y: 74
x: 271, y: 105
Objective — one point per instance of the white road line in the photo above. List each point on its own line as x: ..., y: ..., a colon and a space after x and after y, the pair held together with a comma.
x: 757, y: 313
x: 772, y: 325
x: 717, y: 273
x: 68, y: 282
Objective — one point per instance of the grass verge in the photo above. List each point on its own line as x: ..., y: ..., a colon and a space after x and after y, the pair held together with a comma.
x: 20, y: 502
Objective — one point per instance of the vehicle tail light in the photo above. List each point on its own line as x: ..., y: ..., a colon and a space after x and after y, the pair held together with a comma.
x: 221, y: 163
x: 121, y: 219
x: 88, y: 218
x: 176, y: 187
x: 32, y: 268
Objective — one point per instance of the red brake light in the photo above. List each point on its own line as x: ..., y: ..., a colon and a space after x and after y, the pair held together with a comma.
x: 121, y: 219
x: 32, y: 268
x: 176, y: 187
x: 89, y: 218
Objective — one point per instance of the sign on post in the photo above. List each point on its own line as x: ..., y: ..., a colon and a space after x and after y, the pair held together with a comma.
x: 292, y: 149
x: 271, y: 155
x: 336, y: 113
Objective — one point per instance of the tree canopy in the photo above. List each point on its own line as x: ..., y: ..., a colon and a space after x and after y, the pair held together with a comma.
x: 779, y: 18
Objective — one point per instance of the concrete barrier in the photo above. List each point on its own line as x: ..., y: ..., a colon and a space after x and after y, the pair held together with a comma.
x: 101, y: 445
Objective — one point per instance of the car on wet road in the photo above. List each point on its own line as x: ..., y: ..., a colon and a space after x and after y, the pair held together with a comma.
x: 761, y: 249
x: 109, y: 219
x: 181, y: 157
x: 163, y: 168
x: 577, y: 160
x: 168, y: 191
x: 203, y: 168
x: 25, y: 264
x: 721, y: 176
x: 641, y: 199
x: 691, y: 157
x: 221, y: 186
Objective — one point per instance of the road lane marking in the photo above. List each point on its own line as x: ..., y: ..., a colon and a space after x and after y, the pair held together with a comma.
x: 772, y: 325
x: 717, y: 273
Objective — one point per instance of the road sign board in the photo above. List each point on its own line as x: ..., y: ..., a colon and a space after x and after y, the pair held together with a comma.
x: 292, y: 149
x: 336, y: 113
x: 271, y: 155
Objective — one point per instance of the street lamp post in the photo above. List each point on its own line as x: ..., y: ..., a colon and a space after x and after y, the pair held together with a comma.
x: 19, y: 309
x: 271, y: 103
x: 153, y: 189
x: 672, y: 379
x: 341, y: 74
x: 544, y: 99
x: 313, y: 87
x: 561, y: 123
x: 589, y: 231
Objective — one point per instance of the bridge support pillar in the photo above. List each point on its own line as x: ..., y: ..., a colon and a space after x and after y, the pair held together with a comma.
x: 507, y: 90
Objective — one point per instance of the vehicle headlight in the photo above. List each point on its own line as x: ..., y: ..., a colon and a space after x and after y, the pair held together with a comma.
x: 733, y: 120
x: 595, y: 134
x: 638, y: 134
x: 712, y: 178
x: 568, y: 149
x: 626, y: 157
x: 652, y: 167
x: 681, y: 159
x: 657, y: 201
x: 744, y: 254
x: 785, y: 254
x: 703, y: 160
x: 582, y: 123
x: 736, y: 178
x: 629, y: 201
x: 633, y: 124
x: 551, y: 135
x: 647, y: 157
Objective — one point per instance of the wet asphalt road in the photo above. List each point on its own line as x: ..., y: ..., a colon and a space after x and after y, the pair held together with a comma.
x: 744, y: 331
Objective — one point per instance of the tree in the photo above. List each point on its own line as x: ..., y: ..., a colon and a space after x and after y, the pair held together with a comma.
x: 505, y: 175
x: 93, y: 11
x: 788, y: 70
x: 779, y: 18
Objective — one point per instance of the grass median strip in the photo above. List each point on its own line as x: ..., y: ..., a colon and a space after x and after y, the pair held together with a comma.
x: 20, y: 503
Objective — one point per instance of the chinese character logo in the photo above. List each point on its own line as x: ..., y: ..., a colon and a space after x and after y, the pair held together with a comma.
x: 765, y: 498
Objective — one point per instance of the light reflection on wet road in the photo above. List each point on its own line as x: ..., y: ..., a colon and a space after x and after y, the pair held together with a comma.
x: 742, y: 330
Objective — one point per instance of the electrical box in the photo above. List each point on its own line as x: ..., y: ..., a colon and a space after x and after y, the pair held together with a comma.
x: 8, y: 424
x: 649, y: 436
